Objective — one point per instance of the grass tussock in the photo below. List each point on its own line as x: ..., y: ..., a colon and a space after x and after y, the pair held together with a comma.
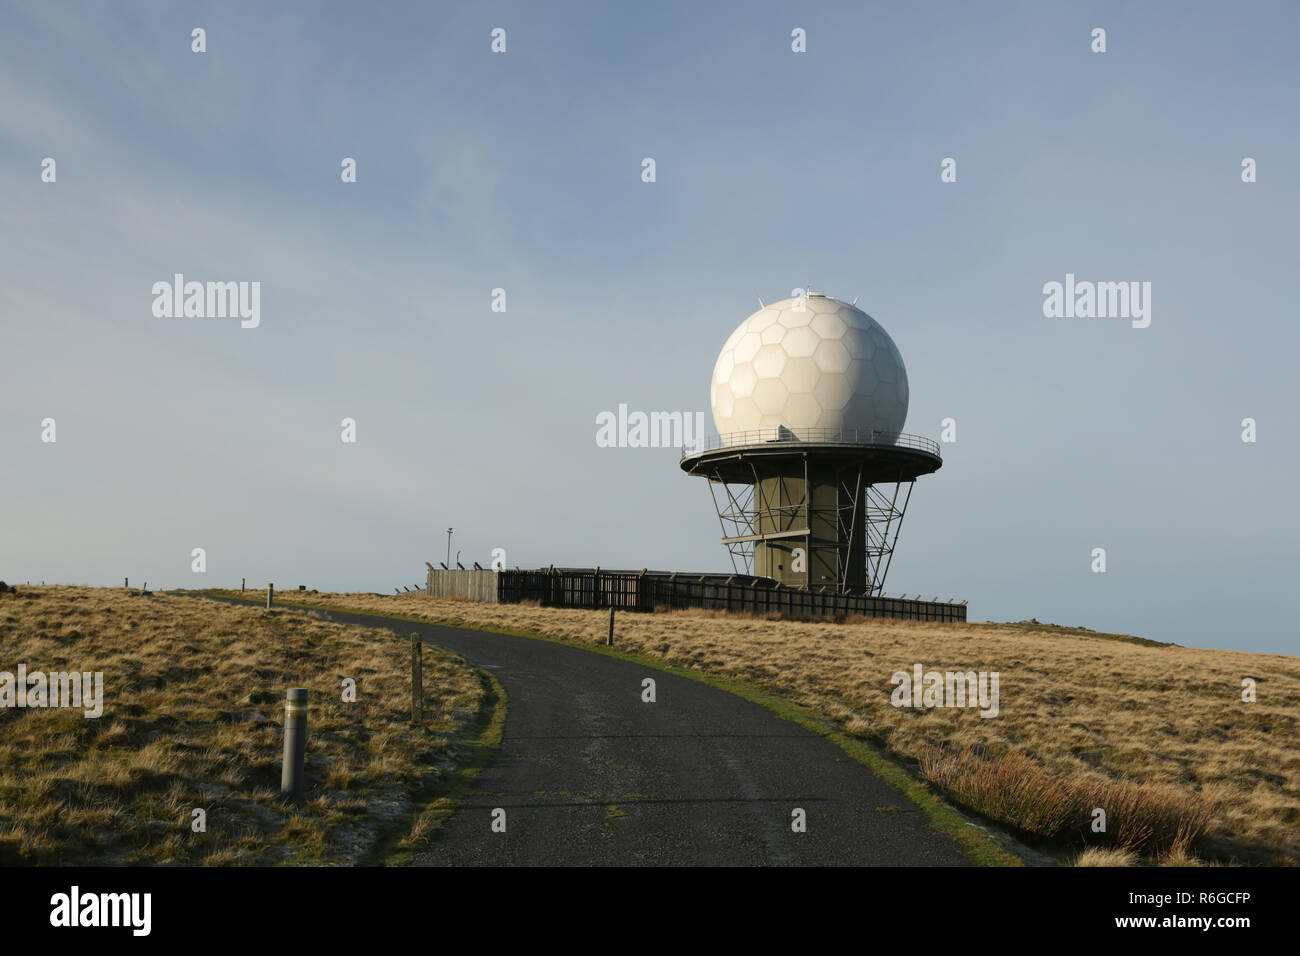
x: 1142, y: 819
x: 1074, y: 703
x: 193, y: 719
x: 1096, y: 856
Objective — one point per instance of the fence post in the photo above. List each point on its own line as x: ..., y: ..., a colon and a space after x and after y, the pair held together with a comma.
x: 242, y: 583
x: 270, y: 594
x: 610, y: 642
x: 295, y: 742
x: 124, y: 584
x: 417, y: 680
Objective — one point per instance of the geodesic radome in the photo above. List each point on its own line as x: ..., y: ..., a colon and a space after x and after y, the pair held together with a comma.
x: 829, y: 366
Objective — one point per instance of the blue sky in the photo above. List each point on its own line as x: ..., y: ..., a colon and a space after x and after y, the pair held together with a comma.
x: 522, y: 171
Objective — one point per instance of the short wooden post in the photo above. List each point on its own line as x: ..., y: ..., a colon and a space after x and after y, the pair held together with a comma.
x: 417, y: 680
x: 243, y: 582
x: 295, y: 742
x: 270, y: 595
x: 610, y: 642
x: 124, y: 584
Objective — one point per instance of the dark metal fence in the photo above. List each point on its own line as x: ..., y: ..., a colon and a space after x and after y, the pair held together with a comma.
x: 650, y: 590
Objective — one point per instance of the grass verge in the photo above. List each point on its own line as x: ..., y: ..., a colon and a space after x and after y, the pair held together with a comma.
x: 1219, y: 728
x: 192, y: 720
x: 977, y: 844
x: 441, y: 801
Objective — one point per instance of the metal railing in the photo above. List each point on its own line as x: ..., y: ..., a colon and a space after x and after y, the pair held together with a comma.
x: 829, y: 436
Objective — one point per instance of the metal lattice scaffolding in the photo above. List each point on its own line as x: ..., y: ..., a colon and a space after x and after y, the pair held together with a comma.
x: 815, y: 514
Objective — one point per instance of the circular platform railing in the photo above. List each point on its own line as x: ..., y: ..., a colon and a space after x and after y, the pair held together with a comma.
x: 779, y: 434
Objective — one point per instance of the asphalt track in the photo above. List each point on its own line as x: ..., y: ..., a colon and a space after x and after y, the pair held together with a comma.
x: 589, y: 774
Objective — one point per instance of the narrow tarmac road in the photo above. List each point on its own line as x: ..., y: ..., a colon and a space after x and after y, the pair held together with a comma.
x: 589, y: 774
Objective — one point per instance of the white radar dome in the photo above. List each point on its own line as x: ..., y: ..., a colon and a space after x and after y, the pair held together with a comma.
x: 811, y: 363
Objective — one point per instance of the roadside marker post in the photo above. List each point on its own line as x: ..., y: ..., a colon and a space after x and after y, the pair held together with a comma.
x: 417, y: 681
x: 270, y: 594
x: 610, y: 642
x: 295, y: 742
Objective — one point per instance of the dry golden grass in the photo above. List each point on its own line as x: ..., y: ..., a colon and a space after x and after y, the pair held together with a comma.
x: 193, y: 718
x: 1147, y: 727
x: 1147, y: 819
x: 1095, y: 856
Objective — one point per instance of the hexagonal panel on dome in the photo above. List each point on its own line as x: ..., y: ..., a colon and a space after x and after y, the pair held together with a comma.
x: 726, y: 362
x: 860, y: 413
x: 745, y: 416
x: 747, y: 347
x: 725, y: 403
x: 770, y: 395
x: 833, y: 392
x: 800, y: 342
x: 803, y: 407
x: 742, y: 381
x: 769, y: 361
x: 863, y: 373
x: 888, y: 412
x: 859, y: 344
x: 832, y: 356
x: 829, y: 325
x: 800, y: 375
x: 773, y: 334
x: 793, y: 320
x: 886, y: 367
